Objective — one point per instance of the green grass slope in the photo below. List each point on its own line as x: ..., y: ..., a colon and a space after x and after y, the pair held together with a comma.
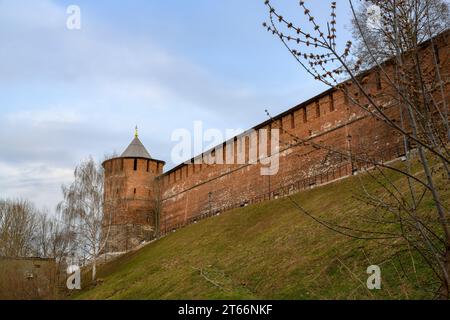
x: 267, y: 251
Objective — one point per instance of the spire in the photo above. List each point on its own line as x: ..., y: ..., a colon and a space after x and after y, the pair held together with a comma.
x: 136, y: 149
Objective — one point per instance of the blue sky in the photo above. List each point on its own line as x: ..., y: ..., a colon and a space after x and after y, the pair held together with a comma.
x: 161, y: 65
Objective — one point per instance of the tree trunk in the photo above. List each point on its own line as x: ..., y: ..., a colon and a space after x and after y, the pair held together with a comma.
x: 94, y: 269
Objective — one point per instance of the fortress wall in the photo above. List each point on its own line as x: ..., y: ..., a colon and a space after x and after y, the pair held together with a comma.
x: 193, y: 190
x: 143, y: 198
x: 330, y: 119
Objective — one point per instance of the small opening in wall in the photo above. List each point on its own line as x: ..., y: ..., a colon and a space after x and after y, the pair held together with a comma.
x: 224, y: 150
x: 148, y: 165
x: 331, y: 97
x: 292, y: 121
x: 135, y: 164
x: 305, y: 116
x: 317, y: 109
x: 134, y: 191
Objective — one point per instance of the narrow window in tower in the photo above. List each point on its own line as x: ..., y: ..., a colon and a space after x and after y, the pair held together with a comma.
x: 317, y: 109
x: 224, y: 150
x: 247, y: 148
x: 213, y: 156
x: 135, y: 164
x: 305, y: 116
x: 121, y: 165
x: 331, y: 97
x: 148, y: 165
x: 292, y: 120
x: 134, y: 191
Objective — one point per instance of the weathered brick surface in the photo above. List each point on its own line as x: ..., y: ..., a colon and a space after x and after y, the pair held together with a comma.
x: 192, y: 190
x: 130, y: 201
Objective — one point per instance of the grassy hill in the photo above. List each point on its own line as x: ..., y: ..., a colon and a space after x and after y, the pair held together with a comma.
x: 269, y: 251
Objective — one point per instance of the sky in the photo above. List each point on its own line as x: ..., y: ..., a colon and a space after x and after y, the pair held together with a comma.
x: 66, y: 94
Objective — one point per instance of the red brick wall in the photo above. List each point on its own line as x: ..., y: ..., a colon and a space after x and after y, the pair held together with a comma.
x: 186, y: 193
x: 192, y: 190
x: 132, y: 191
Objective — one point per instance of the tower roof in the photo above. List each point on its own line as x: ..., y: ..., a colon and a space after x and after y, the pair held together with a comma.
x: 136, y: 149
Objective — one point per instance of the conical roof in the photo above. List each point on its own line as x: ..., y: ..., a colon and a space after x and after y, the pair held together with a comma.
x: 136, y: 150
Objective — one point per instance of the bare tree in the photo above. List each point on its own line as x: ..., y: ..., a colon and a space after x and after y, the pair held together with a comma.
x: 83, y: 210
x: 415, y: 22
x: 53, y: 240
x: 400, y: 47
x: 17, y: 228
x: 25, y: 238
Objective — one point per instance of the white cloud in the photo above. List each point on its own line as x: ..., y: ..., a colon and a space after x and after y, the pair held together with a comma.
x: 67, y: 94
x: 35, y: 181
x: 44, y: 118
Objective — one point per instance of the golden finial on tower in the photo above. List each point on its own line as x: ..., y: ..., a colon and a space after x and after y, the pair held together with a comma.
x: 136, y: 134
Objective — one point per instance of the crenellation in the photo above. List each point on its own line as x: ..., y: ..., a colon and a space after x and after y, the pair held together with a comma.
x: 202, y: 187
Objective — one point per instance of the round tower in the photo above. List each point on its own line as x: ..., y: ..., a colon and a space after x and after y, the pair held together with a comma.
x: 131, y: 212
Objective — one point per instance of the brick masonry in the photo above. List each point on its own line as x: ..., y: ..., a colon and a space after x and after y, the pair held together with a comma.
x: 147, y: 201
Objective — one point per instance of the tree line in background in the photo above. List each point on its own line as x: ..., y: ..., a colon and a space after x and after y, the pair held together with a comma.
x: 73, y: 233
x: 26, y: 231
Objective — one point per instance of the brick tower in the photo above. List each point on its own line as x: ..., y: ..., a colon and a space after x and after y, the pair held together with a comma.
x: 131, y: 197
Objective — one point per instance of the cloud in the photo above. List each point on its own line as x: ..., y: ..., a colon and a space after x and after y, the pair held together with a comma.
x: 68, y: 94
x: 35, y: 181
